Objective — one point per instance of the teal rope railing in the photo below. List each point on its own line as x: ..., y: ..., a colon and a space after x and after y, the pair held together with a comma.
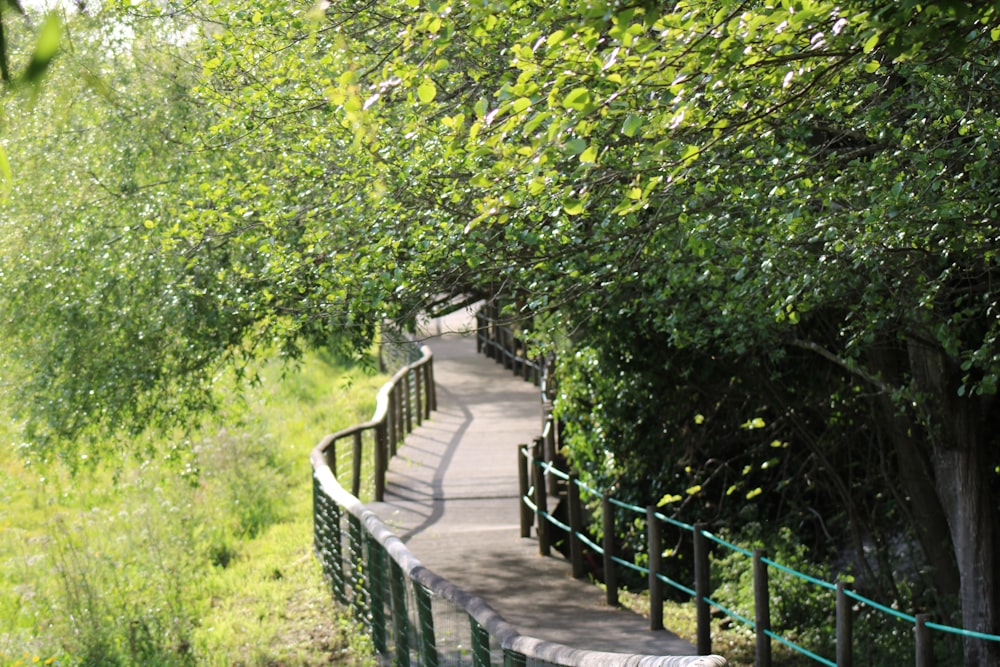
x: 764, y: 633
x: 415, y: 617
x: 800, y: 649
x: 882, y: 608
x: 729, y: 612
x: 611, y: 504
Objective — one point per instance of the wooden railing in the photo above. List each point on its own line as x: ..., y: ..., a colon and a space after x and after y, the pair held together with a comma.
x: 502, y: 342
x: 402, y: 404
x: 414, y: 616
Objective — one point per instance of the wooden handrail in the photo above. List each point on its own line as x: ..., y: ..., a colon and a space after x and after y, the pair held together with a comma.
x: 501, y: 342
x: 401, y: 404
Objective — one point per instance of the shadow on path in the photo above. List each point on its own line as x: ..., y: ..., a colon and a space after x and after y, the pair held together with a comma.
x: 452, y: 496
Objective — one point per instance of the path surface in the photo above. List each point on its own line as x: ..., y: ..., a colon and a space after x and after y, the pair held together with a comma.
x: 451, y: 496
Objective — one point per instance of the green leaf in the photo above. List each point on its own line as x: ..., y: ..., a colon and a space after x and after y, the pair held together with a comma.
x: 572, y: 206
x: 631, y: 125
x: 578, y: 98
x: 871, y: 43
x: 589, y: 156
x: 49, y: 37
x: 555, y: 38
x: 575, y: 146
x: 426, y: 92
x: 690, y: 153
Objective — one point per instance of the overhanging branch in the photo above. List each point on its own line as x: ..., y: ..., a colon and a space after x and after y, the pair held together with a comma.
x: 853, y: 369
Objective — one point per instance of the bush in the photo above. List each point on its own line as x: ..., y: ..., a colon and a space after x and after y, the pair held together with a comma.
x: 801, y: 612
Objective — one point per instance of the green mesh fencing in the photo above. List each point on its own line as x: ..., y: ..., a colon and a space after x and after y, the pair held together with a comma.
x: 417, y: 618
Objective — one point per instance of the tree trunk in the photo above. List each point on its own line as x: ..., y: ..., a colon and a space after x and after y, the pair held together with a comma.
x: 962, y: 474
x: 918, y: 482
x: 916, y: 475
x: 964, y: 491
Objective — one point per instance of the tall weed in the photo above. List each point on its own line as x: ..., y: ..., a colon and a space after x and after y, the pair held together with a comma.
x: 104, y: 586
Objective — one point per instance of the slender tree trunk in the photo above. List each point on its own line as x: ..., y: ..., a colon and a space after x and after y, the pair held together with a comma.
x: 918, y: 482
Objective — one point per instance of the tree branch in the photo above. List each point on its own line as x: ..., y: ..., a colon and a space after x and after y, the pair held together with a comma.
x: 876, y: 382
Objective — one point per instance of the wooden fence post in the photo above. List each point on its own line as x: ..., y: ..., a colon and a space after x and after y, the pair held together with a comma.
x: 418, y: 394
x: 762, y: 609
x: 523, y: 470
x: 330, y: 457
x: 508, y: 348
x: 702, y: 589
x: 431, y: 390
x: 518, y: 367
x: 549, y: 445
x: 381, y: 459
x: 845, y: 625
x: 396, y: 407
x: 541, y: 507
x: 925, y: 646
x: 479, y: 331
x: 407, y: 405
x: 610, y: 568
x: 392, y: 424
x: 575, y: 526
x: 655, y: 547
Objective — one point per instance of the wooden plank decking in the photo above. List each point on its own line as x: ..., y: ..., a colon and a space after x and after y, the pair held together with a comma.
x: 451, y: 496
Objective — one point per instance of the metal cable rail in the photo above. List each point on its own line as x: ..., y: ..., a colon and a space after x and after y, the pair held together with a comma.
x: 414, y: 616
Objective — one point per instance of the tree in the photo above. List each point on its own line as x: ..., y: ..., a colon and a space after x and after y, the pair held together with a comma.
x: 733, y: 191
x: 97, y: 308
x: 802, y: 176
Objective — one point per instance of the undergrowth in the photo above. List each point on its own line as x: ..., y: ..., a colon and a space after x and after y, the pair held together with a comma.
x: 202, y: 560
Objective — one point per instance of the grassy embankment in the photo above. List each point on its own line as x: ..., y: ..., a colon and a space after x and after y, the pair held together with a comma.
x: 205, y: 560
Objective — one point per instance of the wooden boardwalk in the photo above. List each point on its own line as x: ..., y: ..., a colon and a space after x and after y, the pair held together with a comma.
x: 451, y: 496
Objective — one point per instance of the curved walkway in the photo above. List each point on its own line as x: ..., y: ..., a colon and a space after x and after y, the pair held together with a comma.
x: 451, y: 496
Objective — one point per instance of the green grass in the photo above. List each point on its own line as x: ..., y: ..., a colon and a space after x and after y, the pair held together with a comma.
x: 731, y: 640
x: 142, y: 562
